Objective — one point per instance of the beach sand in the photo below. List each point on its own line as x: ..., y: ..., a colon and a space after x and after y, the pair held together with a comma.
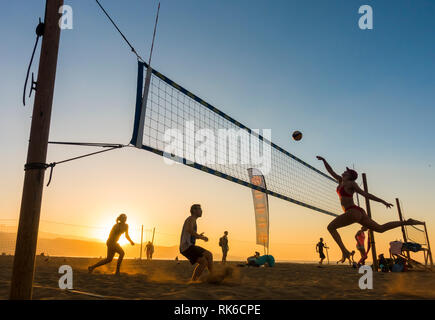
x: 162, y: 279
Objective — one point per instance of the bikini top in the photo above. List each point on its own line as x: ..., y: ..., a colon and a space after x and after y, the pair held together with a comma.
x: 342, y: 193
x: 360, y: 237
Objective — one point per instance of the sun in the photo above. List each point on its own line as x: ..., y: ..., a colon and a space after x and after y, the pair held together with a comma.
x: 123, y: 241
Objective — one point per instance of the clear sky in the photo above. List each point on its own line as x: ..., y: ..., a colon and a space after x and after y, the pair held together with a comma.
x: 362, y: 97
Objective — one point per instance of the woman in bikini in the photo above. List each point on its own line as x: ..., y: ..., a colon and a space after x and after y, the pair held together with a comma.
x: 112, y: 244
x: 360, y: 238
x: 352, y: 213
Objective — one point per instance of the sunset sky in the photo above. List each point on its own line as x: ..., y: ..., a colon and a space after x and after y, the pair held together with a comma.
x: 360, y: 97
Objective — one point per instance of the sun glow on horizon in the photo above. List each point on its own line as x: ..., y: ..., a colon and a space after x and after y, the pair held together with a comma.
x: 134, y: 230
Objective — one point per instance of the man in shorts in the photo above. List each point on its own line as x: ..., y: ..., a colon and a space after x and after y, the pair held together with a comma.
x: 188, y: 248
x: 319, y: 249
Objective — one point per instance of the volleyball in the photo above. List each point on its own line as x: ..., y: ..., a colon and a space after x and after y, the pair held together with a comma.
x: 297, y: 135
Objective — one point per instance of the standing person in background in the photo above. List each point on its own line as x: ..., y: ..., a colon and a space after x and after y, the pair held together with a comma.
x: 223, y: 243
x: 319, y: 248
x: 149, y: 250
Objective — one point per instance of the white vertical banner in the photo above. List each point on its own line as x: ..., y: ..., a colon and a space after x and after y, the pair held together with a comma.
x: 261, y: 207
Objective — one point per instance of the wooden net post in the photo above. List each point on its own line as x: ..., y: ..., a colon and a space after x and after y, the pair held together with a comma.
x: 399, y: 210
x: 141, y: 242
x: 428, y: 246
x: 25, y: 250
x: 372, y: 237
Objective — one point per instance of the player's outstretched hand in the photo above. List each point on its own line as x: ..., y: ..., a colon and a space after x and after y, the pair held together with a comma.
x: 388, y: 205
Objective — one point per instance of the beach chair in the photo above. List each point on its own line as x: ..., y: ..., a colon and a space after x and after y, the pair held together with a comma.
x: 400, y: 250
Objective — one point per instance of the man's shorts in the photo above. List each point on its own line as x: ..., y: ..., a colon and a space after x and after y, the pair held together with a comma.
x: 193, y: 253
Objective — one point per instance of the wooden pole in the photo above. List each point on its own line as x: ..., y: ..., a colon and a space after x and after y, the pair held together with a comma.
x: 27, y: 235
x: 428, y: 246
x: 399, y: 210
x: 372, y: 237
x: 141, y: 241
x: 154, y: 231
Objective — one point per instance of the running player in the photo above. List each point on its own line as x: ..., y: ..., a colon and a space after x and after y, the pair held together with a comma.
x: 112, y: 244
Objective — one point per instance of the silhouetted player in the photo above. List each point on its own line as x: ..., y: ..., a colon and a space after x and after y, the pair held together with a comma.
x: 188, y: 247
x: 223, y: 243
x: 319, y: 248
x: 149, y: 250
x: 112, y: 244
x: 352, y: 213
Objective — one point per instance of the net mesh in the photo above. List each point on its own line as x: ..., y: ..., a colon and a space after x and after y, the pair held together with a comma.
x: 415, y: 234
x: 171, y: 107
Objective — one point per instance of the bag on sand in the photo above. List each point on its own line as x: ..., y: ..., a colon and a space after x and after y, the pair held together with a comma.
x: 397, y: 267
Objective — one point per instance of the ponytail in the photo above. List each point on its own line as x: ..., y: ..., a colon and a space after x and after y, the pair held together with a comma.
x: 120, y: 217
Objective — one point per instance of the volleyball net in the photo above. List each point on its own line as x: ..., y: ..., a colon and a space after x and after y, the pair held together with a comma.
x: 175, y: 123
x: 415, y: 233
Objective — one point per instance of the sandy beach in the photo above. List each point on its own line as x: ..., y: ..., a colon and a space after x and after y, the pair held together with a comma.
x: 162, y: 279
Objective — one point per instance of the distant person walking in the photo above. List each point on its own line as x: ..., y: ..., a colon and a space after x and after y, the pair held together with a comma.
x: 223, y: 243
x: 149, y: 248
x: 112, y: 244
x: 319, y: 248
x: 188, y: 248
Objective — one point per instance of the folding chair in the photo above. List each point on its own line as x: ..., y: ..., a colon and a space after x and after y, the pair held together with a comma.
x: 398, y: 249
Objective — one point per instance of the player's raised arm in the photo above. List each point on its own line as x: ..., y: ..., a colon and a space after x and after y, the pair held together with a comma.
x: 329, y: 169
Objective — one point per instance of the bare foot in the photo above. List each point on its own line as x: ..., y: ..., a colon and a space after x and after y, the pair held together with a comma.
x: 346, y: 256
x: 351, y: 257
x: 413, y: 222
